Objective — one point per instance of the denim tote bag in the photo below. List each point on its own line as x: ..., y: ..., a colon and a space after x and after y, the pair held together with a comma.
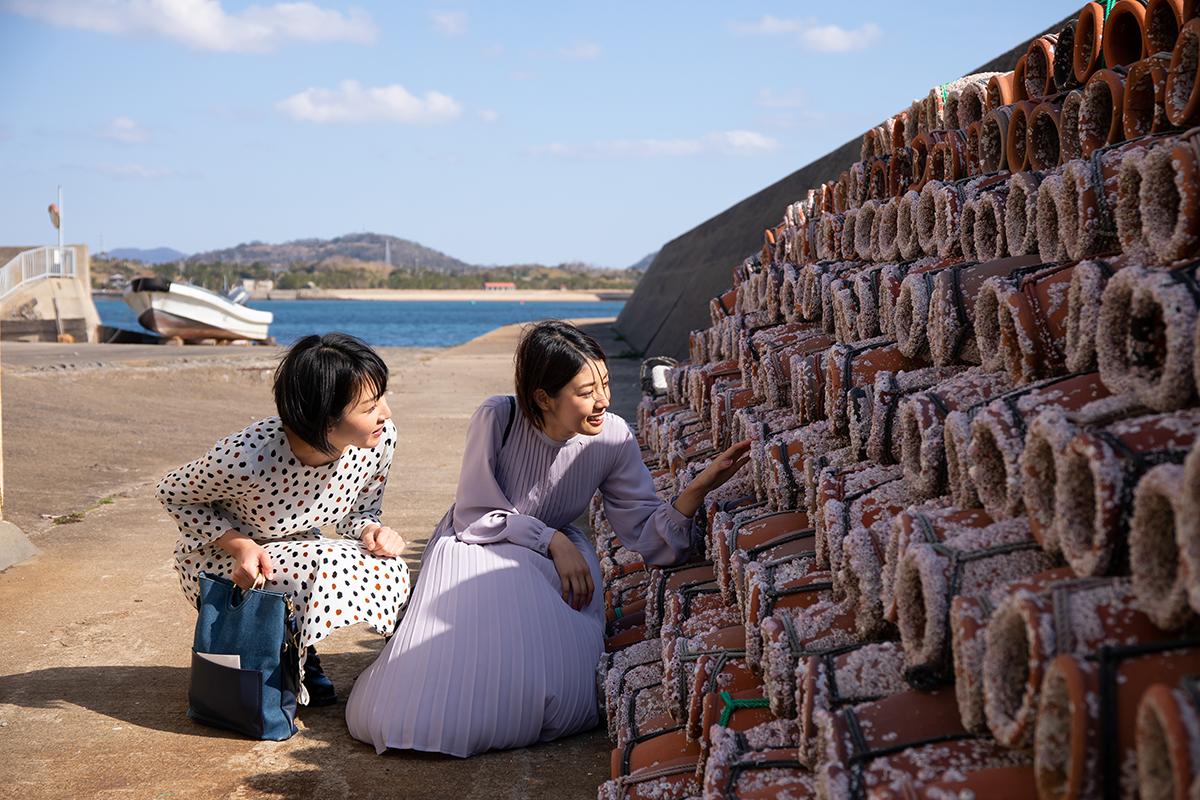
x: 245, y: 661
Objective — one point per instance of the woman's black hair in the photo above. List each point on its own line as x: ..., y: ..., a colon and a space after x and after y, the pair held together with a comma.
x: 549, y: 355
x: 318, y: 377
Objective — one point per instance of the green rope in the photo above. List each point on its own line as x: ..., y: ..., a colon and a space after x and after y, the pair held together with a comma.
x: 1108, y: 7
x: 732, y: 705
x: 945, y: 95
x: 617, y: 613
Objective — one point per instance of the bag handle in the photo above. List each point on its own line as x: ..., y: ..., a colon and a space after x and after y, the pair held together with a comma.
x: 512, y: 417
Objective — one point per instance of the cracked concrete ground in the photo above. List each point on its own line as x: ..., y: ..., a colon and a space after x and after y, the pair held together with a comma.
x: 95, y: 634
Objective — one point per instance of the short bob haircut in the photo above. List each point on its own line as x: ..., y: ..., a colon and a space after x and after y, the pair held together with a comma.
x: 549, y: 355
x: 319, y: 377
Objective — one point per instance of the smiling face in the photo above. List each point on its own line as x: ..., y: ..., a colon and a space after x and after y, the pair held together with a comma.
x: 361, y: 424
x: 579, y: 406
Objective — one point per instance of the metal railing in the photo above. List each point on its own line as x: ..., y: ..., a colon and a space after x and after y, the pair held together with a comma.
x: 34, y: 265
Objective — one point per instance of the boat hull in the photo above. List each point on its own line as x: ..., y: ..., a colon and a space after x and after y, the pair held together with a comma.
x: 189, y: 312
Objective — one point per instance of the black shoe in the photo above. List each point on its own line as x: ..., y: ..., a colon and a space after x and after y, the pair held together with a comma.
x: 320, y: 688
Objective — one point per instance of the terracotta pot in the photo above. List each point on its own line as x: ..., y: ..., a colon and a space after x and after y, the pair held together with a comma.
x: 1089, y: 32
x: 888, y: 393
x: 971, y: 101
x: 792, y: 580
x: 922, y: 446
x: 907, y: 241
x: 927, y: 523
x: 913, y: 733
x: 1084, y: 298
x: 1163, y: 20
x: 952, y: 303
x: 922, y: 161
x: 948, y: 158
x: 998, y: 436
x: 877, y: 141
x: 671, y: 782
x: 1019, y: 89
x: 1000, y: 92
x: 679, y: 661
x: 857, y: 365
x: 1189, y: 533
x: 667, y: 748
x: 1020, y: 213
x: 1168, y: 740
x: 1017, y: 136
x: 858, y: 495
x: 930, y: 576
x: 877, y: 179
x: 1183, y: 97
x: 665, y: 580
x: 993, y: 139
x: 1101, y: 120
x: 642, y: 713
x: 989, y: 783
x: 1160, y: 510
x: 776, y: 366
x: 622, y: 673
x: 864, y: 224
x: 1168, y: 198
x: 808, y: 386
x: 720, y: 672
x: 1087, y: 719
x: 1145, y: 339
x: 1046, y: 442
x: 864, y: 550
x: 974, y: 133
x: 759, y: 532
x: 1124, y: 39
x: 757, y: 764
x: 786, y: 487
x: 1032, y: 322
x: 1095, y: 480
x: 1064, y: 56
x: 1145, y: 96
x: 696, y: 610
x: 1028, y: 629
x: 735, y: 711
x: 1039, y: 66
x: 969, y: 618
x: 825, y: 684
x: 1043, y: 134
x: 812, y: 468
x: 792, y: 635
x: 900, y: 171
x: 1069, y: 146
x: 885, y: 233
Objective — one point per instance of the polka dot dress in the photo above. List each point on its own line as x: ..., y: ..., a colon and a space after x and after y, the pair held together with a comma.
x: 251, y: 481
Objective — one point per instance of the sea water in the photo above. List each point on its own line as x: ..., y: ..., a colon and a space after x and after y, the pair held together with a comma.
x: 387, y: 323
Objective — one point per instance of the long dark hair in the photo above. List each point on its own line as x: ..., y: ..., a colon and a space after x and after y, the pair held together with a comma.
x: 318, y: 377
x: 549, y: 355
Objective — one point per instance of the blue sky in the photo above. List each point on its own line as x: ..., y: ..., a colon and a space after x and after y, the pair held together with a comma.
x: 495, y: 132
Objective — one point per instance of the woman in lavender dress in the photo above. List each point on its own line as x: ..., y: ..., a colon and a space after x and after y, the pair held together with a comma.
x: 499, y: 645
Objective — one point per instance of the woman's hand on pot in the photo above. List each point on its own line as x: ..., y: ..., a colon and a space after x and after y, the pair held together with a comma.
x: 718, y: 471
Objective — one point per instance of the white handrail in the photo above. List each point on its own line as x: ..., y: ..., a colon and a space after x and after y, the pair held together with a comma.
x: 34, y: 265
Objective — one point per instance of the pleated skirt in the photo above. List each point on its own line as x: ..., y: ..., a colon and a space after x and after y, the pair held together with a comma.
x: 487, y: 657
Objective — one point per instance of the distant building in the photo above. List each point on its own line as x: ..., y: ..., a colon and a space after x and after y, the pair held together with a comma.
x: 499, y: 286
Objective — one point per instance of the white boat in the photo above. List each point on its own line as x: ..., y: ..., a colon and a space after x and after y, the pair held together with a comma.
x: 189, y: 312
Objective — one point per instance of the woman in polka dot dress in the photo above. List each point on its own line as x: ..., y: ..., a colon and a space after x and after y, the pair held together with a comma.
x: 256, y: 502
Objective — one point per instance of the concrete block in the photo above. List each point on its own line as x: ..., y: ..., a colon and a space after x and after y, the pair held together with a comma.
x: 15, y: 546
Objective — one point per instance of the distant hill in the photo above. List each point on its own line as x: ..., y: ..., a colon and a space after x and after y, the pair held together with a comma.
x: 155, y: 255
x: 643, y: 264
x: 366, y: 247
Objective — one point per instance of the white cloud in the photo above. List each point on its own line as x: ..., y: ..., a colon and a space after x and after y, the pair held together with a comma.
x: 489, y: 114
x: 125, y: 130
x: 769, y: 98
x: 451, y: 23
x: 134, y: 171
x: 205, y: 24
x: 722, y: 142
x: 813, y: 36
x: 580, y: 51
x: 353, y: 103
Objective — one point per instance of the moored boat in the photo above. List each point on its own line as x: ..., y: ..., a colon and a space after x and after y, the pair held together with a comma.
x: 190, y: 312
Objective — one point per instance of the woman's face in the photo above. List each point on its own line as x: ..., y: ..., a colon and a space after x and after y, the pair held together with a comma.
x: 580, y: 405
x: 362, y: 422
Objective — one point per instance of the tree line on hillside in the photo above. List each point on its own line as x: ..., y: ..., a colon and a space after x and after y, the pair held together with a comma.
x: 348, y: 274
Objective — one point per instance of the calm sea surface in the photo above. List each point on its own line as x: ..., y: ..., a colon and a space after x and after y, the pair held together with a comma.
x: 386, y: 323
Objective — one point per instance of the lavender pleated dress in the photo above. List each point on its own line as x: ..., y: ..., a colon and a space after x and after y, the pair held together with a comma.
x: 488, y: 655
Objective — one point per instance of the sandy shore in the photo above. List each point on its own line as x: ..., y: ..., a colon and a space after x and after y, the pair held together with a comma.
x: 95, y: 637
x: 468, y: 295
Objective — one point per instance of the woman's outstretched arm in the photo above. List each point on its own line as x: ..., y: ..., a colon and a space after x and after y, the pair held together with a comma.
x: 660, y: 531
x: 482, y: 512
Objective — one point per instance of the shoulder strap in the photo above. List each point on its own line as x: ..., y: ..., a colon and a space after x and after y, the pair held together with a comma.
x: 512, y: 417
